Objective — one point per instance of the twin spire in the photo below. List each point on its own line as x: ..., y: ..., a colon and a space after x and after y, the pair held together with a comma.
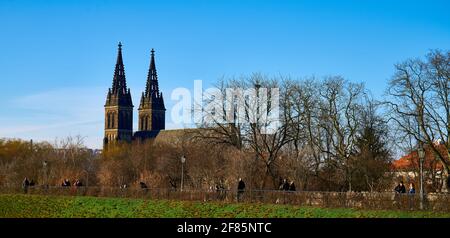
x: 119, y: 106
x: 120, y: 94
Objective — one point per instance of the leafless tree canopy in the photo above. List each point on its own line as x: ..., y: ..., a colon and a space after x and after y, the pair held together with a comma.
x: 316, y: 143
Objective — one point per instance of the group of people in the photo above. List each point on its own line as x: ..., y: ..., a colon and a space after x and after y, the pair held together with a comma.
x: 66, y: 183
x: 400, y: 188
x: 142, y: 185
x: 28, y: 183
x: 286, y: 186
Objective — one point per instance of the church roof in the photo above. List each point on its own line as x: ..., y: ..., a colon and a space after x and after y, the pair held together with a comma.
x: 175, y: 136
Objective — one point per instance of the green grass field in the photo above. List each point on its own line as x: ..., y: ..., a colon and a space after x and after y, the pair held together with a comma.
x: 19, y: 205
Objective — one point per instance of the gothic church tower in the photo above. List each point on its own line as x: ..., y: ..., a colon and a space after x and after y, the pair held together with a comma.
x: 151, y: 109
x: 118, y: 107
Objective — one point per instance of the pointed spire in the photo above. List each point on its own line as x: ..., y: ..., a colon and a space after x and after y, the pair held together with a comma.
x: 152, y: 79
x: 119, y: 81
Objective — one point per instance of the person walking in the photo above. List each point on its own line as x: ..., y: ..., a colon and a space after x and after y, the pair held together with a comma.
x: 65, y: 183
x: 399, y: 190
x: 78, y: 183
x: 280, y: 184
x: 285, y: 185
x: 412, y: 189
x: 292, y: 186
x: 411, y: 193
x: 143, y: 187
x: 25, y: 184
x: 241, y: 188
x: 284, y: 188
x: 402, y: 188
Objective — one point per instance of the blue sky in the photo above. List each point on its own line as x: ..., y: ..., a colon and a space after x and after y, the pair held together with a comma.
x: 57, y: 57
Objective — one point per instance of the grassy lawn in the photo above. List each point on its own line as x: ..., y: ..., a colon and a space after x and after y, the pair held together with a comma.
x: 20, y: 205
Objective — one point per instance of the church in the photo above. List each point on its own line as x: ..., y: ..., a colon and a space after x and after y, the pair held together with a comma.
x: 119, y: 107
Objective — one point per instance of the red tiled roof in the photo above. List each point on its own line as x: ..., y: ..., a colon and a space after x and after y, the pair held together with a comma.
x: 411, y: 161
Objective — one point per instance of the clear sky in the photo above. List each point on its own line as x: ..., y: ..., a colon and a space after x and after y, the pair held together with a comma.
x: 57, y: 57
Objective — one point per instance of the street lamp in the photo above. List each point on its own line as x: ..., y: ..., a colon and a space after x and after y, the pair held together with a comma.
x: 44, y: 165
x: 421, y: 153
x: 87, y: 177
x: 183, y: 160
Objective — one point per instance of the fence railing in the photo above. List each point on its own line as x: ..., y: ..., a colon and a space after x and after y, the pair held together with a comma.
x: 365, y: 200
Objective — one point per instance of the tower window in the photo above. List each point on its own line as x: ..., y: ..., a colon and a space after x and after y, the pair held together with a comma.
x: 146, y: 123
x: 112, y: 120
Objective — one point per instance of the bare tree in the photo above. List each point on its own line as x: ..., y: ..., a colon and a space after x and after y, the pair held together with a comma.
x: 241, y: 120
x: 420, y: 103
x: 340, y: 114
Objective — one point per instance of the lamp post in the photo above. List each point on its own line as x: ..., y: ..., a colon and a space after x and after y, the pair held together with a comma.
x: 44, y: 165
x: 183, y: 160
x: 421, y: 153
x: 87, y: 177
